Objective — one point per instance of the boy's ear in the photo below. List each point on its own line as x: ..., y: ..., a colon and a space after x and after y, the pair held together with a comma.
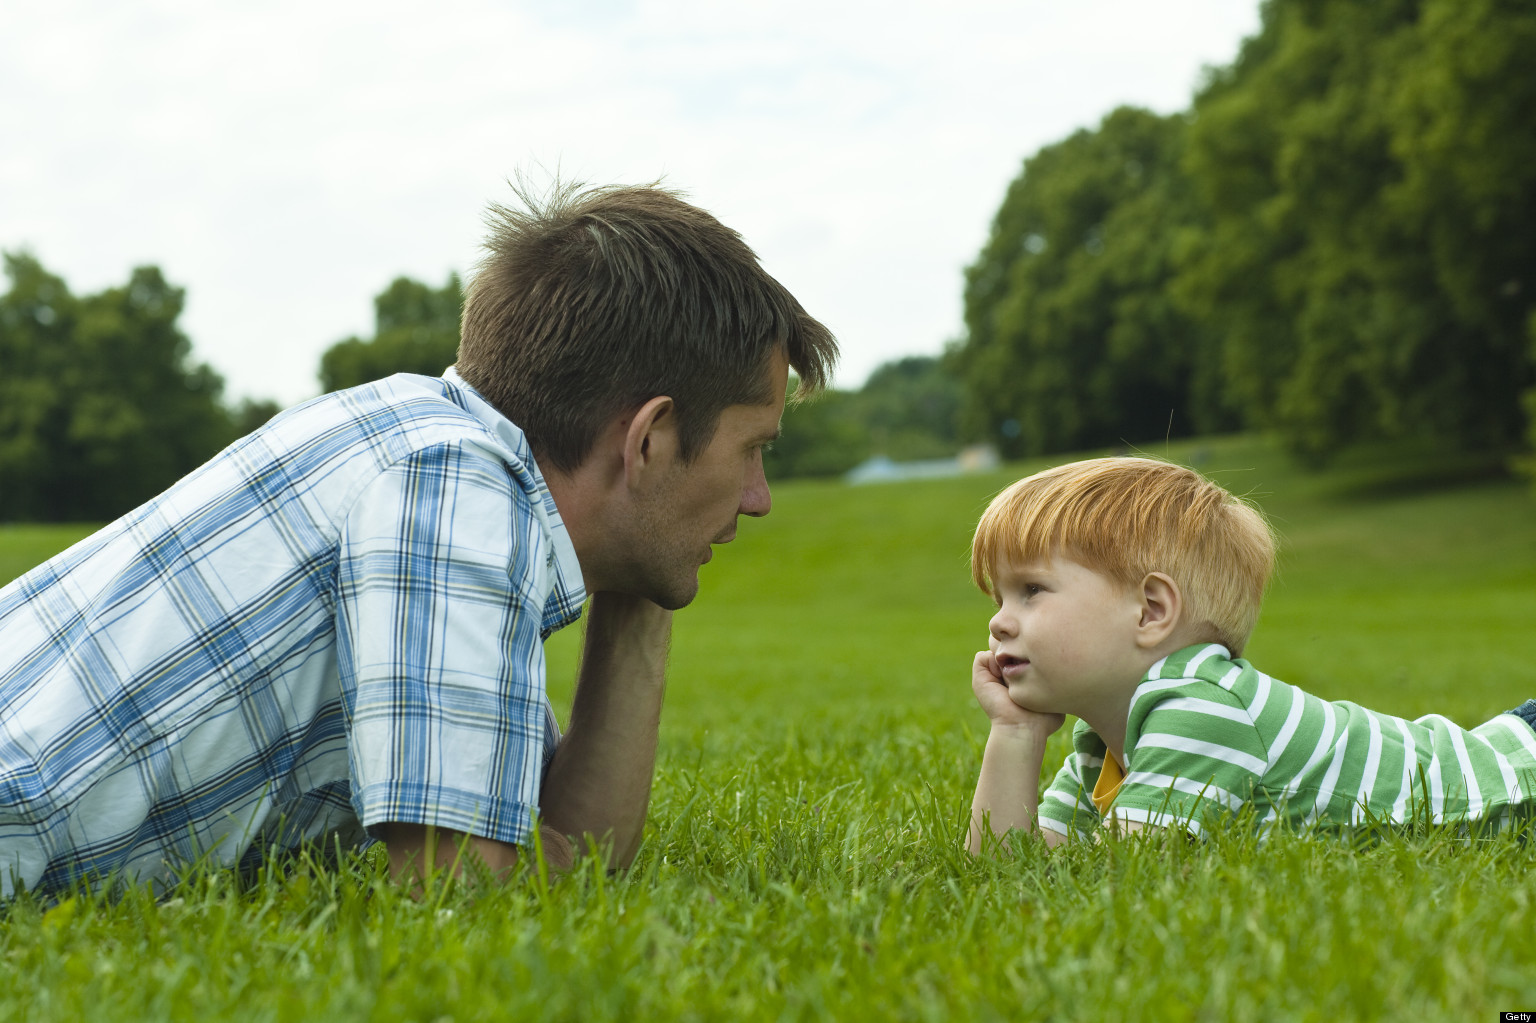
x: 650, y: 439
x: 1162, y: 608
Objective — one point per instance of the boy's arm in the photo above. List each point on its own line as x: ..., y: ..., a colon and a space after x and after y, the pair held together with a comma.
x: 1008, y: 787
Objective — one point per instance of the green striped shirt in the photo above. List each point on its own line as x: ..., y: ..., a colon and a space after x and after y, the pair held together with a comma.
x: 1208, y: 735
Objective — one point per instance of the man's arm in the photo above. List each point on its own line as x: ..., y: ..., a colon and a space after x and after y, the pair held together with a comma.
x: 414, y: 846
x: 599, y: 781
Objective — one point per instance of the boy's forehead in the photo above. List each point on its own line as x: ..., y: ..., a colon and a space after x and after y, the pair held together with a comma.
x: 1047, y: 564
x: 1024, y: 564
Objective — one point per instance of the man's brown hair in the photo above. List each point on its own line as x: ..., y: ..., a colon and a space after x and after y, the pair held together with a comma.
x: 1128, y: 517
x: 591, y: 301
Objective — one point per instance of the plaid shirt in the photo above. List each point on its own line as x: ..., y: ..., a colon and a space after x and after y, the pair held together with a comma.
x: 334, y: 624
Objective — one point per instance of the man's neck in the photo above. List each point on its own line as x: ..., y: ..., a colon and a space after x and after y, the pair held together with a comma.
x: 581, y: 501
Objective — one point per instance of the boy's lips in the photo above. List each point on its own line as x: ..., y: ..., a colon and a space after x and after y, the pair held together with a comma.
x: 1011, y: 666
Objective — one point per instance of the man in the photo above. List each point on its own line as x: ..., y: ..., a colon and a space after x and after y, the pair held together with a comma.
x: 334, y: 629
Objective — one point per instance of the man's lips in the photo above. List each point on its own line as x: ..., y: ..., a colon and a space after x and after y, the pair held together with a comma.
x: 1011, y: 667
x: 709, y: 552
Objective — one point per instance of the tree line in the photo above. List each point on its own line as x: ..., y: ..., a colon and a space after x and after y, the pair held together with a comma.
x: 101, y: 405
x: 908, y: 408
x: 1336, y: 242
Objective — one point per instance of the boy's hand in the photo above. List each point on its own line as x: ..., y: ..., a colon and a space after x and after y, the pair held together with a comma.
x: 1008, y: 787
x: 992, y: 693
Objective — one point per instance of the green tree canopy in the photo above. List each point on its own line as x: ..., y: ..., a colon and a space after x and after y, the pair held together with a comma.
x: 416, y: 330
x: 1369, y: 259
x: 908, y: 409
x: 1072, y: 337
x: 1337, y: 242
x: 101, y: 406
x: 824, y: 436
x: 912, y: 408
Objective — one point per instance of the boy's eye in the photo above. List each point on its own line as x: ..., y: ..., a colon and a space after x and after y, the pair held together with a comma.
x: 1030, y: 589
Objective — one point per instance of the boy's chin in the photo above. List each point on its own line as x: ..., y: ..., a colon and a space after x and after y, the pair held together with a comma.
x: 1025, y: 700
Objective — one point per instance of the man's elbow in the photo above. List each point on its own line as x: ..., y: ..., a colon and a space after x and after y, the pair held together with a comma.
x: 417, y: 851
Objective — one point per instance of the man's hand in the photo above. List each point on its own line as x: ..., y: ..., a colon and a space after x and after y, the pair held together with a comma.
x: 992, y: 693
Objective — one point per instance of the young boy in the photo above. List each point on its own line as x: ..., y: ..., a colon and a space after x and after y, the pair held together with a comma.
x: 1126, y: 589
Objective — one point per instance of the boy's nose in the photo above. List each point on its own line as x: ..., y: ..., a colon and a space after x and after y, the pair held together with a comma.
x: 1001, y: 626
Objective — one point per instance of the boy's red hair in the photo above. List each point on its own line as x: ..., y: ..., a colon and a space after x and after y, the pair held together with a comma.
x: 1127, y: 517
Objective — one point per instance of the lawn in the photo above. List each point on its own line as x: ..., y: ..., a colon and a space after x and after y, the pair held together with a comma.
x: 819, y: 746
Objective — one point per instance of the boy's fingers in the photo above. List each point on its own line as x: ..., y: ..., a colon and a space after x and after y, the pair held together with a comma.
x: 985, y: 664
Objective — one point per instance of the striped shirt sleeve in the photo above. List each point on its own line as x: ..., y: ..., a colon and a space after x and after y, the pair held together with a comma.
x: 1065, y: 807
x: 441, y: 587
x: 1193, y: 755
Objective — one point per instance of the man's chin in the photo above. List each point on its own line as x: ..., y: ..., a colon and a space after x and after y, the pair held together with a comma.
x: 676, y: 596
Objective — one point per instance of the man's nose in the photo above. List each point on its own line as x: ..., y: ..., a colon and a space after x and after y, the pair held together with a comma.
x: 755, y: 498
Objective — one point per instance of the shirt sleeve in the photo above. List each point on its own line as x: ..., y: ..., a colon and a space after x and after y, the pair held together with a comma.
x: 442, y: 580
x: 1066, y: 808
x: 1194, y: 756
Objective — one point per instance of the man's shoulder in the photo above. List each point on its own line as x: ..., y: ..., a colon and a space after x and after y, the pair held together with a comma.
x: 399, y: 415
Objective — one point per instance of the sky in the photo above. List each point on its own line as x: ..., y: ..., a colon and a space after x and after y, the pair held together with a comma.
x: 284, y: 160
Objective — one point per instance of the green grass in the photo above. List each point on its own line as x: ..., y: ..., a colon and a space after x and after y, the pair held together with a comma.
x: 21, y: 547
x: 819, y: 746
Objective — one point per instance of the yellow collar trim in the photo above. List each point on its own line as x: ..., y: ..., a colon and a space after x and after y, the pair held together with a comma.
x: 1108, y: 785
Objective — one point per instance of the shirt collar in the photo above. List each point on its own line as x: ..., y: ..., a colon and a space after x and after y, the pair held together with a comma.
x: 569, y: 593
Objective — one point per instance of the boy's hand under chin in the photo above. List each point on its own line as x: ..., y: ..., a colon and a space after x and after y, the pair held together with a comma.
x: 992, y: 693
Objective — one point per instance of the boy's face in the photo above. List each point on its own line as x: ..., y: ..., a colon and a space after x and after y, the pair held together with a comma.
x: 1064, y: 637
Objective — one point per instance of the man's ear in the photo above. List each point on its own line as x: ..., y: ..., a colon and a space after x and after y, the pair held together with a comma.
x: 650, y: 440
x: 1162, y: 609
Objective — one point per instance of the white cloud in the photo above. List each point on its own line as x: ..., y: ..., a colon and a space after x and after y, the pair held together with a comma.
x: 285, y: 160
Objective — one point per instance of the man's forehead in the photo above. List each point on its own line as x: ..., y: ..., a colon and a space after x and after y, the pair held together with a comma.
x: 761, y: 422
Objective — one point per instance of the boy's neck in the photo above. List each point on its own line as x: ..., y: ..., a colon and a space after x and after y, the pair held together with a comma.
x: 1108, y: 717
x: 1109, y: 723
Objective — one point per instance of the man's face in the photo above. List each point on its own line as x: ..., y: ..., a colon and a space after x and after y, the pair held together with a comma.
x: 696, y: 505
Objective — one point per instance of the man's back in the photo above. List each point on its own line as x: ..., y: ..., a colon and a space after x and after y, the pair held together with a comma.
x: 184, y: 682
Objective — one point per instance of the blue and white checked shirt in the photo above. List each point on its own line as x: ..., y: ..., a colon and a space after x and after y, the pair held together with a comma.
x: 336, y: 623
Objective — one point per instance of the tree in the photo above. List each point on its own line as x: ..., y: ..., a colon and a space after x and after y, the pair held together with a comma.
x: 911, y: 407
x: 100, y: 405
x: 1072, y: 339
x: 416, y: 330
x: 1370, y: 255
x: 824, y: 436
x: 908, y: 409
